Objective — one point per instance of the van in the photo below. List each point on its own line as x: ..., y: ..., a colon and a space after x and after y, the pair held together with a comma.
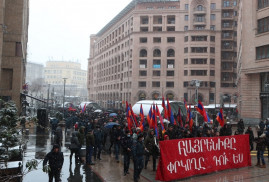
x: 146, y: 104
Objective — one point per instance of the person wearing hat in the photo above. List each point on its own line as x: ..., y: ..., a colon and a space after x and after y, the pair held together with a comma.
x: 56, y: 160
x: 138, y: 156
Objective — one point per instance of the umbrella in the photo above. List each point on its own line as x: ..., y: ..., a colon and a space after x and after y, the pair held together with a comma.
x: 112, y: 114
x: 111, y: 124
x: 98, y: 110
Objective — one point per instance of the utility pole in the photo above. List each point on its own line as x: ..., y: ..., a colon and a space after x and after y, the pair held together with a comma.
x: 64, y: 96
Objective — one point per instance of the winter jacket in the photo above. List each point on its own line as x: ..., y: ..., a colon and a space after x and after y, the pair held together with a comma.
x: 150, y: 143
x: 98, y: 136
x: 138, y: 150
x: 81, y: 136
x: 90, y: 139
x: 261, y: 142
x: 251, y: 136
x: 56, y: 160
x: 127, y: 142
x: 74, y: 141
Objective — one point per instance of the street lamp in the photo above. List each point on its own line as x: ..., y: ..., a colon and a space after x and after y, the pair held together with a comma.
x: 196, y: 83
x: 64, y: 96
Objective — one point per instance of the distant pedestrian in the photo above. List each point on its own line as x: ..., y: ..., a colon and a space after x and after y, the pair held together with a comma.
x: 151, y: 149
x: 99, y: 139
x: 262, y: 125
x: 56, y: 160
x: 127, y: 144
x: 261, y: 143
x: 138, y: 157
x: 240, y: 126
x: 75, y: 148
x: 251, y: 137
x: 89, y: 147
x: 58, y: 135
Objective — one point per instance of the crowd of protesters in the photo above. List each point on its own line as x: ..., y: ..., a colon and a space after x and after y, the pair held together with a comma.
x: 90, y: 129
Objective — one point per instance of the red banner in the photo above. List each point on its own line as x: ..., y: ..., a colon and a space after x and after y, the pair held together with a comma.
x: 188, y: 157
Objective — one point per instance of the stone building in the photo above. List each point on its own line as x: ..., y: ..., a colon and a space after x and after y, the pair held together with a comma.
x: 253, y: 60
x: 14, y: 20
x: 157, y: 47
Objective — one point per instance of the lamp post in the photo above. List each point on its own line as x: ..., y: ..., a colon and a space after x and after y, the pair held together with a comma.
x: 64, y: 96
x: 196, y: 83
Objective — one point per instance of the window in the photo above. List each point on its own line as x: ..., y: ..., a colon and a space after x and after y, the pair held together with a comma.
x: 157, y: 19
x: 170, y: 73
x: 226, y: 3
x: 185, y: 72
x: 263, y: 25
x: 144, y: 20
x: 199, y: 27
x: 212, y: 84
x: 144, y: 29
x: 186, y: 7
x: 212, y: 27
x: 157, y: 29
x: 171, y: 29
x: 262, y: 52
x: 226, y: 14
x: 170, y: 39
x: 212, y: 61
x: 171, y: 19
x: 142, y: 73
x: 157, y: 39
x: 170, y: 63
x: 186, y: 50
x: 142, y: 84
x: 156, y: 73
x: 185, y: 61
x: 211, y: 97
x: 200, y: 18
x: 235, y: 2
x: 212, y: 72
x: 212, y: 17
x: 213, y: 6
x: 143, y: 39
x: 143, y: 53
x: 263, y: 4
x: 212, y: 38
x: 198, y: 61
x: 212, y: 49
x: 185, y: 84
x: 200, y: 8
x: 186, y: 39
x: 142, y: 63
x: 186, y: 17
x: 157, y: 53
x: 156, y: 63
x: 186, y: 28
x: 170, y: 84
x: 155, y: 84
x: 198, y: 72
x: 198, y: 38
x: 170, y: 53
x: 199, y: 49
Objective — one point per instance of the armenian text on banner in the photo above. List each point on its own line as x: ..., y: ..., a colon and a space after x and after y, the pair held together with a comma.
x: 193, y: 156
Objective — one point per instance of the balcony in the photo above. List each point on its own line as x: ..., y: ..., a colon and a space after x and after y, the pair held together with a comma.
x: 199, y: 11
x: 230, y: 7
x: 227, y: 28
x: 198, y: 21
x: 227, y: 17
x: 227, y: 37
x: 230, y: 49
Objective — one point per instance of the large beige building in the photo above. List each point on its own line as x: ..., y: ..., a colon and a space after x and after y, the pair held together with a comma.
x: 253, y: 60
x: 157, y: 47
x: 75, y: 78
x: 14, y: 20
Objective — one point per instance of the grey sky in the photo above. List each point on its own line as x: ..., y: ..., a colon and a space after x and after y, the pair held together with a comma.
x: 60, y: 29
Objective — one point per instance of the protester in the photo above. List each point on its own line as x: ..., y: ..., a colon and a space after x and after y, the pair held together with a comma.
x: 117, y: 134
x: 251, y: 137
x: 58, y: 135
x: 240, y: 126
x: 99, y: 139
x: 56, y: 160
x: 127, y: 144
x: 151, y: 149
x: 138, y: 157
x: 89, y: 147
x: 262, y: 125
x: 261, y: 143
x: 75, y: 148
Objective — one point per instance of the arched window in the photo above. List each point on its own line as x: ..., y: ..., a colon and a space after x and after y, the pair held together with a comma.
x: 170, y: 96
x: 171, y: 53
x: 200, y: 8
x: 143, y: 53
x: 142, y: 96
x: 157, y: 53
x: 155, y: 96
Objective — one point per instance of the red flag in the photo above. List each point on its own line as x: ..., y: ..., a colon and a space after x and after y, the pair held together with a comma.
x: 200, y: 108
x: 149, y: 117
x: 161, y: 119
x: 129, y: 120
x: 190, y: 118
x: 164, y: 109
x: 187, y: 110
x: 220, y: 117
x: 168, y: 109
x: 142, y: 122
x: 179, y: 117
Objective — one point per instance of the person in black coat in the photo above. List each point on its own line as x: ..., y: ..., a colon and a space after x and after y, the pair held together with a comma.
x: 118, y: 134
x: 127, y: 144
x: 99, y: 139
x: 75, y: 148
x: 56, y: 160
x: 251, y: 137
x: 138, y: 156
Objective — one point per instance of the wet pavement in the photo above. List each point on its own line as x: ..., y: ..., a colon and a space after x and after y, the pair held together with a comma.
x: 109, y: 170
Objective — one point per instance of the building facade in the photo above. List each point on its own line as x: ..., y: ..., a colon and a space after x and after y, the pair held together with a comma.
x: 157, y: 47
x: 34, y: 72
x: 14, y: 20
x: 75, y: 79
x: 253, y: 60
